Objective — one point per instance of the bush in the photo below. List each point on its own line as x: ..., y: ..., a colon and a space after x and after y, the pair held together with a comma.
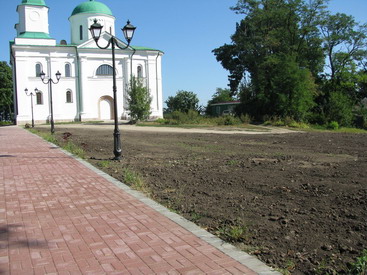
x: 333, y: 125
x: 177, y: 117
x: 246, y: 118
x: 227, y: 120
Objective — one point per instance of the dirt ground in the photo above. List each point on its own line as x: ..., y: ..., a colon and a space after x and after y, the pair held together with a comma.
x: 298, y: 201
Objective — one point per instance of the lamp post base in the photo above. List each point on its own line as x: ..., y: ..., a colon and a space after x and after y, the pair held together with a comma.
x: 117, y: 145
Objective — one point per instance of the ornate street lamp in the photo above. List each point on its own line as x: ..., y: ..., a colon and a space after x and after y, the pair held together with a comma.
x: 31, y: 94
x: 49, y: 81
x: 128, y: 31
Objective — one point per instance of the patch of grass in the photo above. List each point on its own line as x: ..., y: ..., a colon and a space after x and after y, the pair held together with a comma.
x: 133, y: 179
x: 232, y: 162
x: 104, y: 163
x: 359, y: 267
x: 74, y: 149
x: 68, y: 146
x: 288, y: 268
x: 194, y: 217
x: 46, y: 136
x: 234, y: 233
x: 5, y: 123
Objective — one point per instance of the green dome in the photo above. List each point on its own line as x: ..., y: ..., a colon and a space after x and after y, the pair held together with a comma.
x: 34, y: 2
x: 92, y: 6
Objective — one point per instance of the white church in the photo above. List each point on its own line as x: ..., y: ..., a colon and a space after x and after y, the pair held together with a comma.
x: 84, y: 92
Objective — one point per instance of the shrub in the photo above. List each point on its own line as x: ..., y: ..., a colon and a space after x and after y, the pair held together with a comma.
x: 246, y: 118
x: 177, y: 117
x: 227, y: 120
x: 333, y: 125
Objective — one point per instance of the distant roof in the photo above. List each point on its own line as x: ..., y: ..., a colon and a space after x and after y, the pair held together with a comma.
x: 226, y: 103
x: 92, y: 6
x: 34, y: 2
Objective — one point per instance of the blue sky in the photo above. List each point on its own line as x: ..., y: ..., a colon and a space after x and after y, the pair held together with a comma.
x: 186, y: 30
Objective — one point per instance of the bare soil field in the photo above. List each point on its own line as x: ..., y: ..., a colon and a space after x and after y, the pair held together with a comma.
x: 298, y: 201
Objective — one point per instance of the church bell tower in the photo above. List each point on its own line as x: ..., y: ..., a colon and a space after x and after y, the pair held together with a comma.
x: 33, y: 19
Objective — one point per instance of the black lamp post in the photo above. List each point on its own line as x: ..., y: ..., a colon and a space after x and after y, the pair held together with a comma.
x: 31, y: 94
x: 128, y: 30
x: 49, y: 81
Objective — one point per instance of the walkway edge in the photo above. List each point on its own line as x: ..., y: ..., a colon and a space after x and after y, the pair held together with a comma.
x: 244, y: 258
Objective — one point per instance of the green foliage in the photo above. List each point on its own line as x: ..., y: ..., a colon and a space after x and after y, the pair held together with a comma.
x: 359, y: 267
x: 276, y: 61
x: 179, y: 117
x: 74, y: 149
x: 340, y: 109
x: 183, y: 101
x: 104, y: 163
x: 133, y: 179
x: 6, y: 91
x: 333, y: 125
x: 139, y: 100
x: 227, y: 120
x: 234, y: 232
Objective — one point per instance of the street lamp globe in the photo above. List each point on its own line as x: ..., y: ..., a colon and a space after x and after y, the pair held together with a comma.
x: 128, y: 31
x: 96, y: 30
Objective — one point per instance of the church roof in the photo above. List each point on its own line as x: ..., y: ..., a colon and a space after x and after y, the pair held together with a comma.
x: 34, y: 2
x: 92, y: 6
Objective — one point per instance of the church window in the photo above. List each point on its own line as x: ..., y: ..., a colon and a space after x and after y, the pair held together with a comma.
x: 105, y: 70
x: 81, y: 32
x: 39, y: 98
x: 140, y: 71
x: 38, y: 70
x: 69, y: 98
x: 67, y: 70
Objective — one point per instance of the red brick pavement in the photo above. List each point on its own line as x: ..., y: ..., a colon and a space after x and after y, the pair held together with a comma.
x: 59, y: 217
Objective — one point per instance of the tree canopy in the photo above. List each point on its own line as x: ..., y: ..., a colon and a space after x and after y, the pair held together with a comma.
x: 6, y: 90
x: 183, y: 101
x: 288, y: 57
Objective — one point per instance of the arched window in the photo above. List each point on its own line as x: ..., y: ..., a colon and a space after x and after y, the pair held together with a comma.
x: 67, y: 70
x: 105, y: 70
x: 38, y: 70
x: 81, y: 32
x: 69, y: 98
x: 140, y: 71
x: 39, y: 98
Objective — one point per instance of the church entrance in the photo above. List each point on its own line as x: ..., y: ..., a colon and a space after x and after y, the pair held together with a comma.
x: 105, y: 108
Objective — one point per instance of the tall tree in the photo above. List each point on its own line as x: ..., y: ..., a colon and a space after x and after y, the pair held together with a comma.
x: 345, y: 45
x: 6, y: 90
x: 277, y: 38
x: 183, y: 101
x: 139, y: 101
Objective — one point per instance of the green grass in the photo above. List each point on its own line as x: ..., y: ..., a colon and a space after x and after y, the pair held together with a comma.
x: 134, y: 179
x: 104, y: 163
x: 74, y: 149
x: 68, y: 146
x: 234, y: 233
x: 6, y: 123
x: 359, y: 267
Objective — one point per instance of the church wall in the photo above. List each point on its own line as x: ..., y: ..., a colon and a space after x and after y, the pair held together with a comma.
x: 26, y: 78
